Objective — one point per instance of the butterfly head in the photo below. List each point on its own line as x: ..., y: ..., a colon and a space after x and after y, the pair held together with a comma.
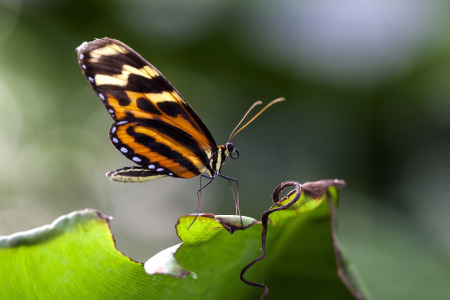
x: 231, y: 151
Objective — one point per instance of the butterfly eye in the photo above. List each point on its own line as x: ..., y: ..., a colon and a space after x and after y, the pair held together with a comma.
x: 232, y: 150
x: 230, y: 147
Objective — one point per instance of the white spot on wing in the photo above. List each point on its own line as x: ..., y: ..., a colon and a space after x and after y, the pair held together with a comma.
x: 122, y: 122
x: 124, y: 150
x: 170, y: 174
x: 84, y: 67
x: 151, y: 167
x: 111, y: 111
x: 101, y: 96
x: 159, y: 169
x: 113, y: 130
x: 137, y: 159
x: 91, y: 79
x: 115, y: 140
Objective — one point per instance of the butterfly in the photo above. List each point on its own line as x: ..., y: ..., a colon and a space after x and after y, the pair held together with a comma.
x: 153, y: 125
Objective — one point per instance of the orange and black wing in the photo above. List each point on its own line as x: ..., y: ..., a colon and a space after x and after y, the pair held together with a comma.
x: 154, y: 126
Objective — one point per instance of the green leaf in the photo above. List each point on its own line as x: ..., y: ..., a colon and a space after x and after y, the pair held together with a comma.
x: 75, y: 256
x: 301, y: 249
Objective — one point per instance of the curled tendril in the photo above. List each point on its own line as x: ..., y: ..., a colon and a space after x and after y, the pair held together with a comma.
x: 265, y: 217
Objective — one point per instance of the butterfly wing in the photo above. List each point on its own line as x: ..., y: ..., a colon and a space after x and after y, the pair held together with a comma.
x: 154, y: 126
x: 160, y: 147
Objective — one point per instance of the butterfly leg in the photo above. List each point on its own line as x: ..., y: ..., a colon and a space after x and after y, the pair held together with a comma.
x: 200, y: 191
x: 235, y: 195
x: 200, y: 195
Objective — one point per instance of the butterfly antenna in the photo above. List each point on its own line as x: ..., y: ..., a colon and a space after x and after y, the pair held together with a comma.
x: 234, y: 132
x: 243, y: 118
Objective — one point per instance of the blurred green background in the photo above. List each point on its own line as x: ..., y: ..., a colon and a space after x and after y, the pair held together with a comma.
x: 368, y: 101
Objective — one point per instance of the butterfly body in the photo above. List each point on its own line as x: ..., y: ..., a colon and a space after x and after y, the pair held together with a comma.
x: 153, y: 125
